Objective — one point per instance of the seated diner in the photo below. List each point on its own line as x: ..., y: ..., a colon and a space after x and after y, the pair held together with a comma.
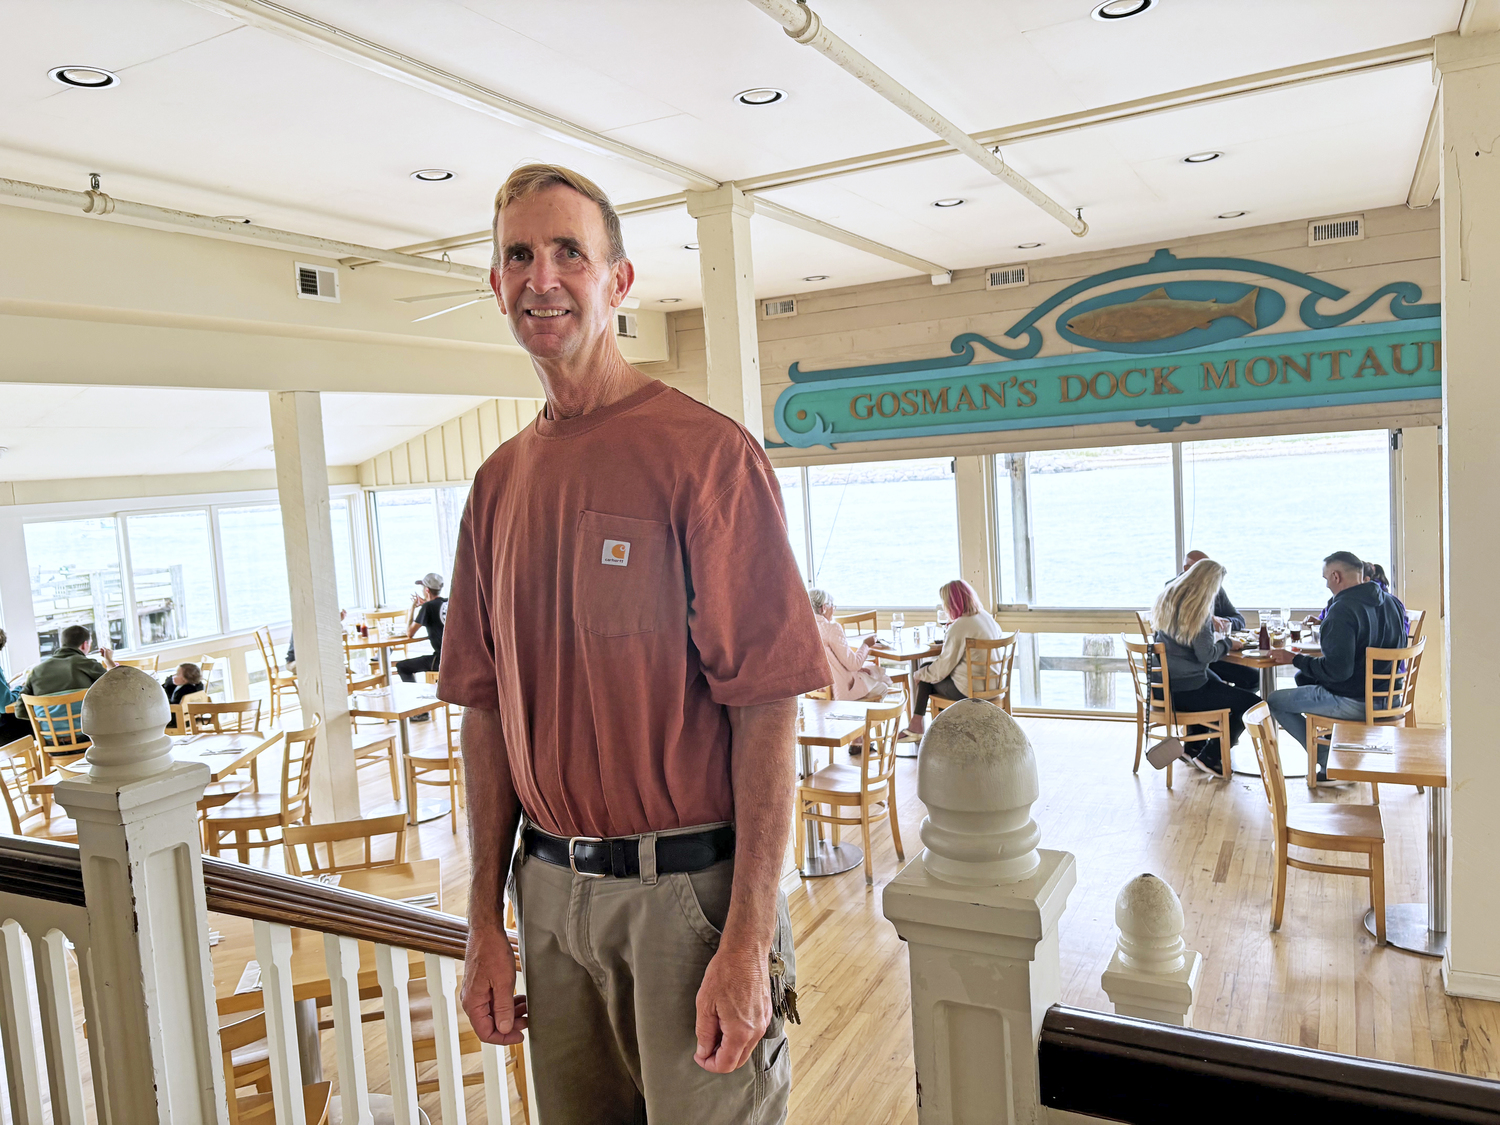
x: 947, y: 674
x: 1186, y: 628
x: 855, y: 675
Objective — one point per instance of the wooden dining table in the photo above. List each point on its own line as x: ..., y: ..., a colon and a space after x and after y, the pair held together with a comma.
x: 397, y: 703
x: 382, y: 645
x: 910, y: 645
x: 1384, y: 753
x: 1242, y: 757
x: 310, y: 982
x: 830, y: 723
x: 223, y: 754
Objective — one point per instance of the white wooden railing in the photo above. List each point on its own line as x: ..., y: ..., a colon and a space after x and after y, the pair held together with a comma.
x: 131, y: 900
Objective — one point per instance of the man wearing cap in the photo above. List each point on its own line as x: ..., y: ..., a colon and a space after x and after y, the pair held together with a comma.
x: 429, y: 610
x: 628, y: 636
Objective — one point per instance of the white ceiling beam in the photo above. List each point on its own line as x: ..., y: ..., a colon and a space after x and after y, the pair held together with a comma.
x: 1424, y: 181
x: 941, y: 275
x: 1479, y: 17
x: 371, y: 56
x: 1401, y: 54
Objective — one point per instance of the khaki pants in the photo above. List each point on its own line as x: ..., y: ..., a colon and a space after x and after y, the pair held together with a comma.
x: 613, y: 968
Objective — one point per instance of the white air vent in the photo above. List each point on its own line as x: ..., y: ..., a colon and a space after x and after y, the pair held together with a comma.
x: 1006, y: 277
x: 625, y: 325
x: 1350, y: 228
x: 775, y: 310
x: 317, y: 283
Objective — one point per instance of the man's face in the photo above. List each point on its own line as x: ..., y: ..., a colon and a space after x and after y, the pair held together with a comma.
x: 555, y: 283
x: 1335, y: 579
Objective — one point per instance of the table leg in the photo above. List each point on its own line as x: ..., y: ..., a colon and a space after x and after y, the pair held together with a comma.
x: 428, y: 808
x: 911, y: 682
x: 1419, y: 927
x: 821, y: 857
x: 309, y: 1043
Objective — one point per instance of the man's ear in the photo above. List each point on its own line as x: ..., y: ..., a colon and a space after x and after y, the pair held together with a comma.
x: 624, y: 278
x: 495, y: 288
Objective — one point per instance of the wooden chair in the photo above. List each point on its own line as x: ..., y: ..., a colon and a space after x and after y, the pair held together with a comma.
x: 59, y: 737
x: 1143, y: 622
x: 200, y: 715
x: 1415, y: 619
x: 869, y: 786
x: 378, y: 745
x: 1154, y: 709
x: 278, y: 681
x: 397, y: 618
x: 309, y: 836
x: 1324, y: 827
x: 990, y: 664
x: 264, y: 812
x: 29, y: 816
x: 862, y: 623
x: 1390, y: 697
x: 179, y: 721
x: 440, y: 766
x: 144, y: 663
x: 258, y: 1107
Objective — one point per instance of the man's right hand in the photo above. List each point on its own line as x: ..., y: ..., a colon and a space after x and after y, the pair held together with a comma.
x: 496, y: 1013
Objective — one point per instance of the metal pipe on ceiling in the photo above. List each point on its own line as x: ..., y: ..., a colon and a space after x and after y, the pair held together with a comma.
x: 99, y: 204
x: 804, y: 25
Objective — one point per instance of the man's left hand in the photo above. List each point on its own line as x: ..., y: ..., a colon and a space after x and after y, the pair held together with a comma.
x: 734, y: 1008
x: 1282, y: 656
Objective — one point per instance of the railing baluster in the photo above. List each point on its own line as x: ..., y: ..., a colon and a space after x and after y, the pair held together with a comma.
x: 496, y: 1089
x: 273, y: 951
x: 342, y: 957
x: 394, y: 970
x: 442, y: 986
x: 55, y: 996
x: 15, y: 1028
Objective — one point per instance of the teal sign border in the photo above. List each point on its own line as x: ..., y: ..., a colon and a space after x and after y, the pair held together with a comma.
x: 1162, y: 418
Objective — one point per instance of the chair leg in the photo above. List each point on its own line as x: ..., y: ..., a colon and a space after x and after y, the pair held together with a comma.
x: 242, y: 845
x: 1169, y: 774
x: 798, y: 814
x: 1375, y: 792
x: 1377, y: 890
x: 395, y: 774
x: 1140, y: 738
x: 1312, y: 754
x: 1278, y: 883
x: 864, y: 829
x: 890, y: 815
x: 453, y: 800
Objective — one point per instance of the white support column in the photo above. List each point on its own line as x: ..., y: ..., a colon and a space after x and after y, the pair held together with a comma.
x: 729, y: 303
x: 1151, y: 975
x: 974, y: 485
x: 302, y: 481
x: 1469, y: 98
x: 979, y: 911
x: 154, y: 1042
x: 1421, y: 577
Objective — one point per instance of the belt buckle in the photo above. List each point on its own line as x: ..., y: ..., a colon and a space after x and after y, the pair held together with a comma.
x: 573, y: 842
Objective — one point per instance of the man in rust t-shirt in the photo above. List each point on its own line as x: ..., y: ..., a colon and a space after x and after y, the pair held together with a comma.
x: 628, y: 632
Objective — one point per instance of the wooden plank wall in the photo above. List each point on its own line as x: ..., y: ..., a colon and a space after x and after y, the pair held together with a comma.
x: 911, y: 319
x: 453, y: 451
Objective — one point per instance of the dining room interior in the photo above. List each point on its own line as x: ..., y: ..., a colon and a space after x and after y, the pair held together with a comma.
x: 1042, y: 374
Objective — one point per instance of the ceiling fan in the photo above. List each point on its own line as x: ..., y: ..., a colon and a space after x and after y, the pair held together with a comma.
x: 475, y: 295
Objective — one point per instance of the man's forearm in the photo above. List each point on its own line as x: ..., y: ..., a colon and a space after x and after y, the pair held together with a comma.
x: 763, y: 773
x: 494, y: 814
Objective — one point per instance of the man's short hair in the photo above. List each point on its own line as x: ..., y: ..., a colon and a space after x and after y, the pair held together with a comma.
x: 75, y: 636
x: 1346, y: 560
x: 529, y: 179
x: 191, y: 673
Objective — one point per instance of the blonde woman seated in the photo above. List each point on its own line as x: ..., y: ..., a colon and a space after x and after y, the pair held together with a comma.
x: 1183, y: 616
x: 855, y: 676
x: 947, y: 675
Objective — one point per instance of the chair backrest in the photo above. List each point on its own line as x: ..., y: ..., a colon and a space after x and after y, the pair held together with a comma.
x: 144, y: 663
x: 18, y: 769
x: 233, y: 1036
x: 309, y: 836
x: 296, y: 773
x: 1415, y: 619
x: 1262, y: 730
x: 369, y: 683
x: 990, y: 664
x: 454, y: 721
x: 267, y: 651
x: 1148, y: 675
x: 56, y: 721
x: 179, y: 709
x: 878, y: 762
x: 1391, y: 682
x: 395, y: 616
x: 862, y: 622
x: 226, y: 718
x: 1143, y: 622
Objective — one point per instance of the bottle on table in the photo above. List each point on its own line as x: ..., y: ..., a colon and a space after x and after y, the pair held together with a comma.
x: 1265, y: 636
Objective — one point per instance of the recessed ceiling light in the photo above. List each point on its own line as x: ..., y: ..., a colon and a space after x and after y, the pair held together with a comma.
x: 690, y: 246
x: 87, y: 77
x: 955, y: 201
x: 1201, y: 157
x: 1233, y: 214
x: 817, y: 277
x: 432, y: 175
x: 1028, y: 245
x: 1121, y: 9
x: 761, y: 95
x: 669, y: 301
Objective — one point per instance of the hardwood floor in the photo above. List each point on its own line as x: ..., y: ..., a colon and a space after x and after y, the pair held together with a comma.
x: 1320, y: 981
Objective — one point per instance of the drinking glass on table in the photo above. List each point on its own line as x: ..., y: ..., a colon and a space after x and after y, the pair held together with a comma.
x: 898, y: 622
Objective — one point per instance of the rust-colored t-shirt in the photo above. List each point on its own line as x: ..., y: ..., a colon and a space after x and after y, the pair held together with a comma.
x: 621, y: 579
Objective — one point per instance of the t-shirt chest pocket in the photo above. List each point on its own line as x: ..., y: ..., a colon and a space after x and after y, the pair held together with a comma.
x: 619, y: 574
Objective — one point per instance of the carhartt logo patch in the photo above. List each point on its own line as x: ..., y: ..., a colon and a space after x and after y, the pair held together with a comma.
x: 616, y: 552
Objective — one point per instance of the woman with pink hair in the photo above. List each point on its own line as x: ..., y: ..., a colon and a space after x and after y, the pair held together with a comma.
x: 947, y: 675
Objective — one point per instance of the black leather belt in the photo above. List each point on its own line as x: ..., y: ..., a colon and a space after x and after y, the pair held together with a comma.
x: 620, y: 857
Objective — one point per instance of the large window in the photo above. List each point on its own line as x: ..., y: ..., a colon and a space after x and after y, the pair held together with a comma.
x: 343, y: 552
x: 1272, y: 508
x: 796, y: 515
x: 74, y: 566
x: 172, y: 576
x: 406, y: 539
x: 255, y: 586
x: 884, y: 532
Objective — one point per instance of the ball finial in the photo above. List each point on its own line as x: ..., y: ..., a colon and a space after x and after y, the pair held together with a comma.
x: 1150, y: 918
x: 125, y: 715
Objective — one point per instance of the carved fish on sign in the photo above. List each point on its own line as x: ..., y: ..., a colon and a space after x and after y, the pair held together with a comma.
x: 1156, y: 316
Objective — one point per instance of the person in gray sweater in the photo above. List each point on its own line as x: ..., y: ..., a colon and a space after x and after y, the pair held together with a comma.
x: 1184, y: 620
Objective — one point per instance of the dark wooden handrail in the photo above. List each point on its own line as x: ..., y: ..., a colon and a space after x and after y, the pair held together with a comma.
x: 1136, y: 1071
x: 47, y: 870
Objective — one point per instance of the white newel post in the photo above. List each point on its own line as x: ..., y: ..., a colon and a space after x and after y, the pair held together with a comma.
x: 1151, y: 976
x: 154, y: 1047
x: 979, y: 912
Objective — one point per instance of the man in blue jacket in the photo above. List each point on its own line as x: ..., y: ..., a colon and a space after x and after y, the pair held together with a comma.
x: 1359, y: 616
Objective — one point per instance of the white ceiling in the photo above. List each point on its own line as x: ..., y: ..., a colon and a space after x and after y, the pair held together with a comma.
x: 63, y: 433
